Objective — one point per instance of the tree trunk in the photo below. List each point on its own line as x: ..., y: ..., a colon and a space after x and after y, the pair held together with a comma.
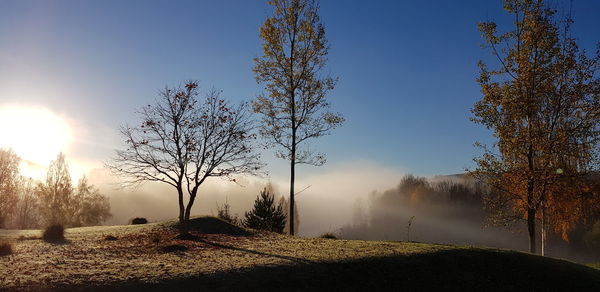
x: 292, y: 178
x: 181, y: 208
x: 531, y: 229
x: 188, y: 210
x: 543, y: 248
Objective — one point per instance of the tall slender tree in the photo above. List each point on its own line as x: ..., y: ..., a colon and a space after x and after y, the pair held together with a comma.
x: 9, y: 184
x: 543, y: 105
x: 294, y: 105
x: 56, y: 194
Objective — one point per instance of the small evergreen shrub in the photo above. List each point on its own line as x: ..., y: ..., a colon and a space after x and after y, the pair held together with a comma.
x: 139, y: 220
x: 266, y: 215
x: 54, y: 233
x: 5, y: 249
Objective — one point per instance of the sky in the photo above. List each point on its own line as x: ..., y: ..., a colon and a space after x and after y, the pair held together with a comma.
x: 407, y: 72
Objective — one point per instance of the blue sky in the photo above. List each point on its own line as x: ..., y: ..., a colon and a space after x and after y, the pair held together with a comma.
x: 406, y: 69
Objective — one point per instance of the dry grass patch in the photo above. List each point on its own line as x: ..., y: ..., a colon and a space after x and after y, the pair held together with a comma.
x: 253, y: 261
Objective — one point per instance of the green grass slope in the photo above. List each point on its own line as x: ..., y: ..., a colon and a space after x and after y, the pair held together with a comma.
x: 224, y: 257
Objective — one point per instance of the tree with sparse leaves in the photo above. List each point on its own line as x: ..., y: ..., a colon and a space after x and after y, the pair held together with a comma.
x: 26, y: 214
x: 9, y: 184
x: 93, y: 208
x: 55, y: 194
x: 543, y: 105
x: 59, y: 203
x: 183, y: 140
x: 294, y: 105
x: 266, y: 215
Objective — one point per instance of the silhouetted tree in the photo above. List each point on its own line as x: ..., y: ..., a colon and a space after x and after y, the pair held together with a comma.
x: 182, y: 142
x: 542, y: 104
x: 286, y: 206
x: 293, y: 108
x: 9, y: 178
x: 266, y: 215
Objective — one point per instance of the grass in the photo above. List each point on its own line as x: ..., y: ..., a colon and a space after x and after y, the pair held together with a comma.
x: 225, y: 257
x: 594, y: 265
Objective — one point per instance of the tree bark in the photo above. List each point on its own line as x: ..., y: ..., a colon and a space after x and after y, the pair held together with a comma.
x: 292, y: 178
x: 181, y: 207
x: 543, y: 247
x: 531, y: 229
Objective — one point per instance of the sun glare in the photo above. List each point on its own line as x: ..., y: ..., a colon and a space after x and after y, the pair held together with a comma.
x: 36, y: 134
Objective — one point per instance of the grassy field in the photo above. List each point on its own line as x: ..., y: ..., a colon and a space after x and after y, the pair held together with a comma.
x: 223, y: 257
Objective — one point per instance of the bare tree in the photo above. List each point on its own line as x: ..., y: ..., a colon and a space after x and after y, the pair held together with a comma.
x: 9, y: 177
x: 182, y: 142
x: 293, y: 108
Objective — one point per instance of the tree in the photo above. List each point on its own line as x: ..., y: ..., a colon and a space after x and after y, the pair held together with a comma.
x: 294, y: 107
x: 182, y: 142
x: 26, y: 214
x: 286, y: 206
x: 265, y: 215
x: 543, y: 105
x: 224, y: 213
x: 93, y: 207
x: 62, y: 204
x: 55, y: 195
x: 9, y: 177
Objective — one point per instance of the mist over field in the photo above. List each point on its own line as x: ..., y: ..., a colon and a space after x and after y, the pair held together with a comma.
x: 358, y: 200
x: 327, y: 203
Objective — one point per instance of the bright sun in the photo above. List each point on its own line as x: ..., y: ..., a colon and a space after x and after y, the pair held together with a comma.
x: 36, y: 134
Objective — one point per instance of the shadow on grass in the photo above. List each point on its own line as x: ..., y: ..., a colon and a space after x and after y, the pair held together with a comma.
x: 468, y: 270
x: 57, y: 241
x: 195, y: 238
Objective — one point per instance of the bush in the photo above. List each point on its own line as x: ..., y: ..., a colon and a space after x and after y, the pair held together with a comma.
x: 224, y: 213
x: 328, y: 235
x: 5, y: 249
x: 138, y: 221
x: 266, y: 215
x: 54, y: 233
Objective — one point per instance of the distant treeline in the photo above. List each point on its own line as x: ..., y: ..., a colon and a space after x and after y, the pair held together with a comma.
x: 452, y: 209
x: 29, y: 204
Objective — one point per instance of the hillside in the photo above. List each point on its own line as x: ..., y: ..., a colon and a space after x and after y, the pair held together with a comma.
x: 225, y: 257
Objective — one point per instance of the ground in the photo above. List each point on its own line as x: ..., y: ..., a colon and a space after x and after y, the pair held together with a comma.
x: 219, y: 256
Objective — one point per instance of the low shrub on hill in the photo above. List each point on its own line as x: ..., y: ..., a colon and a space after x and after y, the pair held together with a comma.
x: 54, y: 233
x: 138, y: 221
x: 328, y: 235
x: 5, y: 248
